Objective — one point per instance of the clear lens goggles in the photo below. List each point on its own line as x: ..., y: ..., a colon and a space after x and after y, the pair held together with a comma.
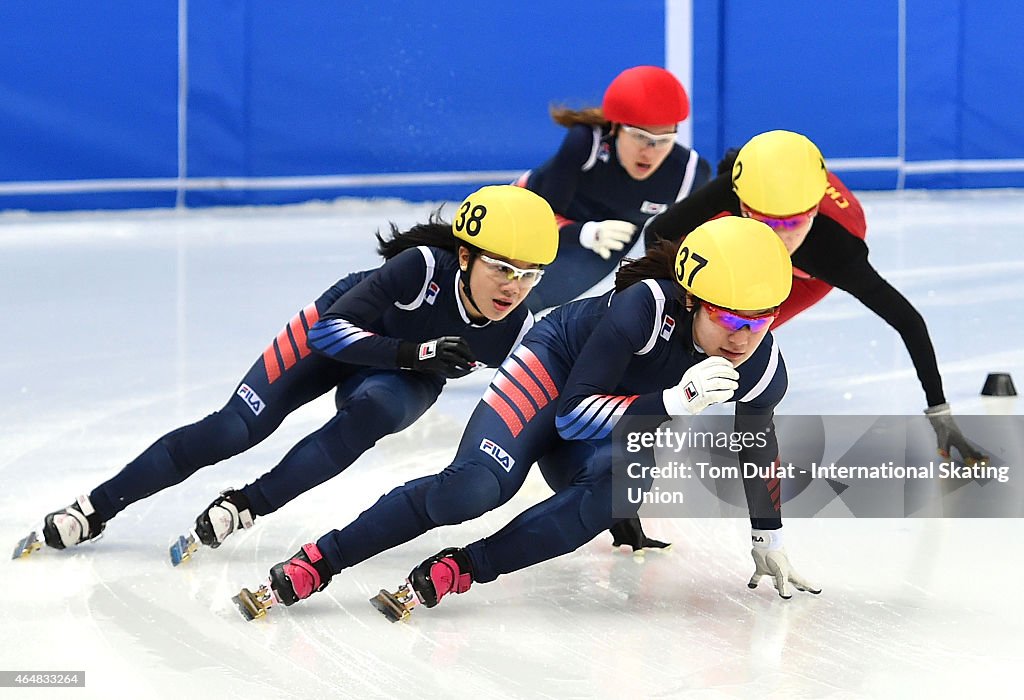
x: 502, y: 271
x: 646, y: 139
x: 733, y: 321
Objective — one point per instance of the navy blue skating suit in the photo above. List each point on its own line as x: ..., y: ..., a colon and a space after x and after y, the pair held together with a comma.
x: 554, y: 402
x: 584, y: 181
x: 348, y: 338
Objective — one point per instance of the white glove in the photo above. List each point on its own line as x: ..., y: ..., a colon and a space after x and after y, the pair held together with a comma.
x: 603, y: 237
x: 713, y: 380
x: 770, y: 560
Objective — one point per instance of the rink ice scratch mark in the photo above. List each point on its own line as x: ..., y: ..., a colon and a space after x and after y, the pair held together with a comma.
x: 221, y: 661
x: 314, y: 629
x: 371, y: 671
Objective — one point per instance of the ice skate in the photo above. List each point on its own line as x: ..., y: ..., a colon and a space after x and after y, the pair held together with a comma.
x: 64, y: 528
x: 229, y: 512
x: 290, y: 581
x: 27, y: 544
x: 448, y: 571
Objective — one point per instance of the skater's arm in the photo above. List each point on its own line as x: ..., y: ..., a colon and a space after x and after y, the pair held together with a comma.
x: 557, y: 178
x: 714, y: 198
x: 589, y: 407
x: 763, y: 384
x: 341, y: 333
x: 763, y: 491
x: 764, y: 495
x: 841, y: 259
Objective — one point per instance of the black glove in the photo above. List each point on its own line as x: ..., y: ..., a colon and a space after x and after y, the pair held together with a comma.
x: 949, y: 436
x: 631, y: 532
x: 449, y: 356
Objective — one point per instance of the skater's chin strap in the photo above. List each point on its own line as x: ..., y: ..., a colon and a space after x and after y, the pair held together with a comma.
x: 464, y: 276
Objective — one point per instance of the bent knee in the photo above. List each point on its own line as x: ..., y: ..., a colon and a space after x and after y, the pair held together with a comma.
x: 220, y: 435
x: 596, y: 507
x: 392, y: 410
x: 463, y: 494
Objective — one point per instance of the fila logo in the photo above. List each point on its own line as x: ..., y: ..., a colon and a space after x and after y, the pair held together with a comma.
x: 691, y: 391
x: 667, y: 327
x: 432, y: 290
x: 652, y: 207
x: 428, y: 350
x: 757, y: 538
x: 500, y: 456
x: 251, y: 398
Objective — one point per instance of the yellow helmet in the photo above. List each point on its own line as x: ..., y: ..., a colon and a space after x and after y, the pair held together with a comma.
x: 736, y: 263
x: 779, y: 173
x: 509, y: 221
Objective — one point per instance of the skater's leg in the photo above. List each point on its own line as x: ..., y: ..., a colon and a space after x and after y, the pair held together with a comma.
x: 557, y: 468
x: 372, y: 404
x: 562, y: 523
x: 509, y: 429
x: 252, y: 413
x: 472, y: 485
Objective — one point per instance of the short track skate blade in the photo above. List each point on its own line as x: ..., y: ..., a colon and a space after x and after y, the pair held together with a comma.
x: 252, y: 605
x: 183, y: 549
x: 26, y: 545
x: 390, y: 606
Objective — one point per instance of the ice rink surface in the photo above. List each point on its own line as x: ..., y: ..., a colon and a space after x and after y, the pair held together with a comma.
x: 118, y: 327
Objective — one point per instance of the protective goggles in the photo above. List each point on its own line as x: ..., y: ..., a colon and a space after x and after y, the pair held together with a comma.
x: 733, y: 321
x: 786, y: 223
x: 502, y: 271
x: 646, y: 139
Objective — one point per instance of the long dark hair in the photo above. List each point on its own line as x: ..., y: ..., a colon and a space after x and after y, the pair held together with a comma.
x: 591, y: 116
x: 436, y: 232
x: 657, y: 264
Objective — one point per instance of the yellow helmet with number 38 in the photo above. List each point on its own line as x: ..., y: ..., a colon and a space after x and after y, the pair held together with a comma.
x: 736, y: 263
x: 509, y: 221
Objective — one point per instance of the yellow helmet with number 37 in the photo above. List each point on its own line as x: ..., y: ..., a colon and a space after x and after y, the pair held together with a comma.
x: 735, y: 263
x: 509, y: 221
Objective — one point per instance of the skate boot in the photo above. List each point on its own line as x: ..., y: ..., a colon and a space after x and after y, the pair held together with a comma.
x: 448, y: 571
x: 230, y: 511
x: 72, y: 525
x: 293, y: 580
x: 305, y: 573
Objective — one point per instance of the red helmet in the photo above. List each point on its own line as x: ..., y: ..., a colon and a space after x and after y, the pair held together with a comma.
x: 645, y: 95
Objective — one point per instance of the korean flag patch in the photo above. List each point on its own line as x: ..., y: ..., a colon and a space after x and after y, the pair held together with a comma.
x: 667, y: 326
x: 432, y: 290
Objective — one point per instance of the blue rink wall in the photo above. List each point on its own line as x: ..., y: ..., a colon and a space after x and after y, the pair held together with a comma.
x: 111, y: 105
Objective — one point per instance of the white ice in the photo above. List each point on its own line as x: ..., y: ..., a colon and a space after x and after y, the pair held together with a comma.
x: 120, y: 326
